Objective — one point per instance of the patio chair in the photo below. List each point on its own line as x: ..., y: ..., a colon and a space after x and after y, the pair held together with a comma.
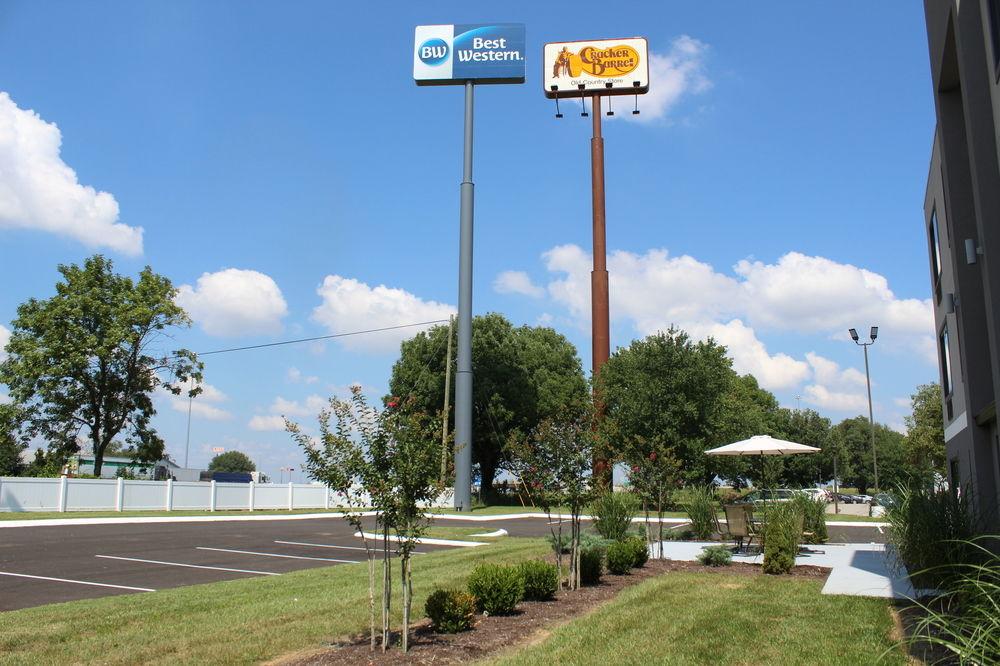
x: 738, y: 526
x: 803, y: 548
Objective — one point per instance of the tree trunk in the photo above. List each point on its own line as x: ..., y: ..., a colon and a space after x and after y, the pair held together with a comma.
x: 386, y: 589
x: 407, y: 597
x: 487, y: 470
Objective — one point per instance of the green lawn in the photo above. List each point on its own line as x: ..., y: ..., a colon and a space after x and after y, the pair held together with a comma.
x: 691, y: 618
x: 241, y: 621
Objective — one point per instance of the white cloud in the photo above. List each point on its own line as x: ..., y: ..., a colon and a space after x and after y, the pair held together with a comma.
x: 234, y: 302
x: 797, y: 294
x: 202, y: 405
x: 517, y: 282
x: 264, y: 423
x: 829, y: 373
x: 349, y: 305
x: 4, y: 339
x: 835, y: 400
x: 678, y: 73
x: 40, y: 191
x: 906, y: 403
x: 310, y: 407
x: 295, y: 376
x: 816, y: 294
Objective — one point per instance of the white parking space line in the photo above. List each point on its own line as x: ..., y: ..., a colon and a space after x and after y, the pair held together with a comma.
x: 190, y: 566
x: 78, y: 582
x: 328, y: 545
x: 291, y: 557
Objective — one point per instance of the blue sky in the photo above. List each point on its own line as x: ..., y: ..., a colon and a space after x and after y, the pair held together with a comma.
x: 290, y: 177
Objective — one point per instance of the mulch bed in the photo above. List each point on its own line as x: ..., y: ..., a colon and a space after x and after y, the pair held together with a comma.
x: 531, y: 623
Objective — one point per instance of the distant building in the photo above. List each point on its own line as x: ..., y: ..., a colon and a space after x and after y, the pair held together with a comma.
x: 962, y: 221
x: 112, y: 466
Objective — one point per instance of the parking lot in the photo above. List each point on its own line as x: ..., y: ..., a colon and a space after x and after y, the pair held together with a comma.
x: 41, y: 565
x: 44, y: 564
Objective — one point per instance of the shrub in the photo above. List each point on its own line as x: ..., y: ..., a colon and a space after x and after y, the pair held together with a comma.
x: 613, y: 513
x: 781, y: 537
x: 621, y: 558
x: 497, y: 588
x: 591, y: 565
x: 930, y: 531
x: 541, y: 580
x: 814, y: 511
x: 716, y: 556
x: 450, y: 611
x: 699, y: 504
x: 963, y: 617
x: 640, y: 550
x: 588, y: 540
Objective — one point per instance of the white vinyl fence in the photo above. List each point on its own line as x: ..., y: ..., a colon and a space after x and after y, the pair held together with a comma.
x: 68, y: 494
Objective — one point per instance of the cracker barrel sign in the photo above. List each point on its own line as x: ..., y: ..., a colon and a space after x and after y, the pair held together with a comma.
x: 596, y: 67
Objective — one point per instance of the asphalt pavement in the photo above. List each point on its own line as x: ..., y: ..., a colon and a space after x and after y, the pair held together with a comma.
x: 44, y: 564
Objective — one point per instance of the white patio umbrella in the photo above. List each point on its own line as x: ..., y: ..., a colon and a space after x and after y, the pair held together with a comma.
x: 761, y: 445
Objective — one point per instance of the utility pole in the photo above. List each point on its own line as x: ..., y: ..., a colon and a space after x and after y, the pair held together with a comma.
x: 447, y: 398
x: 187, y: 443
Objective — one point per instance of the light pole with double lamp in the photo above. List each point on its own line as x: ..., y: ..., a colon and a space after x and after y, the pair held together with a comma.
x: 868, y: 379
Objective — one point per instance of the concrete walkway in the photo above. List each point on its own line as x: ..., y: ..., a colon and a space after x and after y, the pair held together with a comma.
x: 862, y: 570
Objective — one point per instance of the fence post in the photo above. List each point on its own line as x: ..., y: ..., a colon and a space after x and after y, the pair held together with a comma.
x: 63, y: 481
x: 211, y: 501
x: 252, y: 493
x: 170, y: 494
x: 120, y: 495
x: 291, y: 496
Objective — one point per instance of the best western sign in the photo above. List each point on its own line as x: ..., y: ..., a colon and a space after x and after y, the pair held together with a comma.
x: 596, y: 67
x: 454, y: 54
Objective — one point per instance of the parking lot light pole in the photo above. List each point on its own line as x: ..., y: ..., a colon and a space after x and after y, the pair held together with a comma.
x: 868, y: 379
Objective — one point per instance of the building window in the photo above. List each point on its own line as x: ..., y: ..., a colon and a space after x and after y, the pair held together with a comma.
x: 993, y: 7
x: 945, y: 354
x: 934, y: 232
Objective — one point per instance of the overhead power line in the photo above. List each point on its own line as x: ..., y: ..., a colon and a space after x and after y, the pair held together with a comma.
x: 322, y: 337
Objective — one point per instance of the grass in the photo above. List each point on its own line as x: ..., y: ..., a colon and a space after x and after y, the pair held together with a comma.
x: 242, y: 621
x: 698, y: 618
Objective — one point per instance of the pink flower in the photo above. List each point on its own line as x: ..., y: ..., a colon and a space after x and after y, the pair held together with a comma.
x: 635, y: 469
x: 652, y: 456
x: 393, y: 402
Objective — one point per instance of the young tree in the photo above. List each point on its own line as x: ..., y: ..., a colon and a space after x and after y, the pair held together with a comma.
x: 654, y: 474
x: 381, y: 462
x: 84, y: 359
x: 555, y: 461
x: 232, y: 461
x: 925, y: 450
x: 12, y: 441
x: 523, y: 375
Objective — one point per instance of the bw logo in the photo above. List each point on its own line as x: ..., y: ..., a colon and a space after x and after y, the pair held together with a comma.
x: 433, y: 51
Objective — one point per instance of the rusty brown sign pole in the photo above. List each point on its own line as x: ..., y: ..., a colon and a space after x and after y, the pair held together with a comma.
x: 600, y: 325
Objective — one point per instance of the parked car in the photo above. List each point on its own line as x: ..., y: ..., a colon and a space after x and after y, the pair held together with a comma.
x: 847, y: 499
x: 767, y: 495
x: 886, y: 500
x: 816, y: 493
x: 864, y: 499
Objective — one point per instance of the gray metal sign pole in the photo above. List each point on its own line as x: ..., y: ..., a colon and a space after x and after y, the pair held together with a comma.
x: 463, y: 379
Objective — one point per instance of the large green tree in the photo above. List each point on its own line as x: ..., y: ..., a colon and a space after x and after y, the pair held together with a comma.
x: 851, y: 439
x: 232, y: 461
x: 682, y: 396
x: 87, y: 360
x: 522, y: 375
x: 805, y: 426
x: 925, y: 451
